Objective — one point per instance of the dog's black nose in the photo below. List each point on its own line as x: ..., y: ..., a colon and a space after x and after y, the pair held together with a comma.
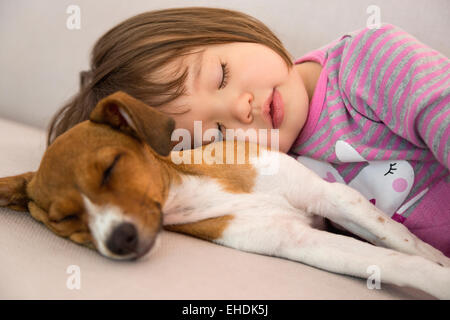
x: 123, y: 239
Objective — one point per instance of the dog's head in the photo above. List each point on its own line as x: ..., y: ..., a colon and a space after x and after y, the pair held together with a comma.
x: 100, y: 184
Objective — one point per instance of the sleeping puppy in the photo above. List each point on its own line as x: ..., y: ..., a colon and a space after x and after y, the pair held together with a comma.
x: 111, y: 183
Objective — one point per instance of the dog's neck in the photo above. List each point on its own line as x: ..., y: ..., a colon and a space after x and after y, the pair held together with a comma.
x: 197, y: 188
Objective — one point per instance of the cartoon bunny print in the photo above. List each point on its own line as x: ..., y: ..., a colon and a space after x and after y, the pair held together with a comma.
x: 386, y: 183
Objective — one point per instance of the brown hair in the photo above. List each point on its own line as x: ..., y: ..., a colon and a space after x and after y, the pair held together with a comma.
x: 126, y: 57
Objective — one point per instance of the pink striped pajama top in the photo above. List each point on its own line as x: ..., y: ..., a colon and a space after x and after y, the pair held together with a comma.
x: 379, y: 121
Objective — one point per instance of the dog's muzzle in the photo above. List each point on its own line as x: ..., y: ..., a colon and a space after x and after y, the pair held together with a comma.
x: 124, y: 242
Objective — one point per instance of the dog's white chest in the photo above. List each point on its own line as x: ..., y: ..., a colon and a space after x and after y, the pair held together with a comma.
x: 202, y: 197
x: 198, y: 198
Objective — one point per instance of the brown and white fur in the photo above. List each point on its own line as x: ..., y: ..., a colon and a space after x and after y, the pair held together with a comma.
x: 110, y: 183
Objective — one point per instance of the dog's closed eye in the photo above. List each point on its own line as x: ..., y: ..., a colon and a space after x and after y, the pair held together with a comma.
x: 69, y: 218
x: 108, y: 171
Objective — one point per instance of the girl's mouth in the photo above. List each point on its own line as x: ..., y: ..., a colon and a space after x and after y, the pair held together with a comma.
x: 276, y: 109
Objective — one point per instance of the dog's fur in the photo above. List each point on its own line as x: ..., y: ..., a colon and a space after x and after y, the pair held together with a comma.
x: 116, y: 170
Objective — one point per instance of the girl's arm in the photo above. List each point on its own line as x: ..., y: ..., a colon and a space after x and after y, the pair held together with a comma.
x: 387, y: 75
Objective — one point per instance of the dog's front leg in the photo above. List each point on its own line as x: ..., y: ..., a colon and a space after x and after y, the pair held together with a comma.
x: 348, y: 208
x: 286, y: 236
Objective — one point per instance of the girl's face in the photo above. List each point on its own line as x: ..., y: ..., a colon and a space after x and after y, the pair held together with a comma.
x: 241, y: 86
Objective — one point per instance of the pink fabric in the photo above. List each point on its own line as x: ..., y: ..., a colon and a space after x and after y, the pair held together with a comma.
x: 399, y: 218
x: 385, y: 94
x: 315, y: 109
x: 316, y: 103
x: 431, y: 219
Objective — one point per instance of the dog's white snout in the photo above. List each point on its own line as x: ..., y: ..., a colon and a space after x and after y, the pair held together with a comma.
x: 103, y: 221
x: 115, y: 234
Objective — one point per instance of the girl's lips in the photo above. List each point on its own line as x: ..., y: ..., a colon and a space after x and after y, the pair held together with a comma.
x: 273, y: 109
x: 277, y: 109
x: 266, y: 110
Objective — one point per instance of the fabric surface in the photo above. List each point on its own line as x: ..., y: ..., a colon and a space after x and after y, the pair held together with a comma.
x: 36, y: 264
x: 379, y: 121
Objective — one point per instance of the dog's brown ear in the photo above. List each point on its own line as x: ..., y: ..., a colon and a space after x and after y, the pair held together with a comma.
x: 13, y: 191
x: 132, y: 116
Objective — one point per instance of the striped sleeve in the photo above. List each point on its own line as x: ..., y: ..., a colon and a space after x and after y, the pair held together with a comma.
x: 388, y: 76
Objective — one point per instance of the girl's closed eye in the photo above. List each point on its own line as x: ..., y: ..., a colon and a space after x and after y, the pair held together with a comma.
x: 225, y: 75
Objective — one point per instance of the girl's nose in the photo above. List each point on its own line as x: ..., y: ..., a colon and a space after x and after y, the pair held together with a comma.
x: 242, y: 110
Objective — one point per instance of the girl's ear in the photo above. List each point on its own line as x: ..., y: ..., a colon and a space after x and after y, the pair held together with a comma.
x: 131, y: 116
x: 13, y: 191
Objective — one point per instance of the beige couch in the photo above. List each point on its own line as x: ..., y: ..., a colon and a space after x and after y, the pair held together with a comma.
x: 40, y: 61
x: 34, y: 262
